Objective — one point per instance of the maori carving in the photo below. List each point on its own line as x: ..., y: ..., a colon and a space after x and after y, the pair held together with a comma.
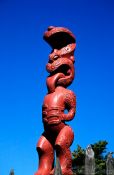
x: 58, y: 136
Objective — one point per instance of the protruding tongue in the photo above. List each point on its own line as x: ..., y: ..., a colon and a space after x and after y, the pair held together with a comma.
x: 52, y: 81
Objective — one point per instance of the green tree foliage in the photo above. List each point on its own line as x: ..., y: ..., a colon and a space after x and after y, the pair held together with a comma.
x: 100, y: 157
x: 78, y: 160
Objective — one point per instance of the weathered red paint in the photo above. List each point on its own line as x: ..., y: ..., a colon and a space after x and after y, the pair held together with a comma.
x: 57, y: 135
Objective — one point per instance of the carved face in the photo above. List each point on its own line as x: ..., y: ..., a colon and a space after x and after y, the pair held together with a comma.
x: 61, y: 59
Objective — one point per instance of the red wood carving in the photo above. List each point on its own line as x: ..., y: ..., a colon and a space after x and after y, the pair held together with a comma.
x: 58, y: 136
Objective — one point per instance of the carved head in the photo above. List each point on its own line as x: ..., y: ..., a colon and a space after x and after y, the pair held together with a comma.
x: 61, y: 59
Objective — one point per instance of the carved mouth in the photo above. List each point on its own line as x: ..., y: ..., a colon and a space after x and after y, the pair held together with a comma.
x: 59, y: 37
x: 64, y: 68
x: 60, y: 40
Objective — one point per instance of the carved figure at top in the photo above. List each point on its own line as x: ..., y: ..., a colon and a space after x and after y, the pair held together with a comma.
x: 58, y: 136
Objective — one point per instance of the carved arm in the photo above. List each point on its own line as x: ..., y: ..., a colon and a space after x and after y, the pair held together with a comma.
x: 70, y: 105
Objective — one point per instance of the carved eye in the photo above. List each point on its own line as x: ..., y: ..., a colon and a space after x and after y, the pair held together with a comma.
x: 55, y: 57
x: 67, y: 48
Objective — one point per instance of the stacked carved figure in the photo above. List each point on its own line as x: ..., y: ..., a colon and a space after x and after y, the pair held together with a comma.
x: 58, y: 136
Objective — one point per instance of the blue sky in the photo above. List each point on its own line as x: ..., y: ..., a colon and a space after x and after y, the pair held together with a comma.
x: 23, y: 56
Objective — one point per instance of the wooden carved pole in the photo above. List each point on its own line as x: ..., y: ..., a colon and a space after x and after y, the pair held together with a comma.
x: 57, y: 168
x: 57, y: 135
x: 11, y: 172
x: 110, y: 164
x: 89, y: 161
